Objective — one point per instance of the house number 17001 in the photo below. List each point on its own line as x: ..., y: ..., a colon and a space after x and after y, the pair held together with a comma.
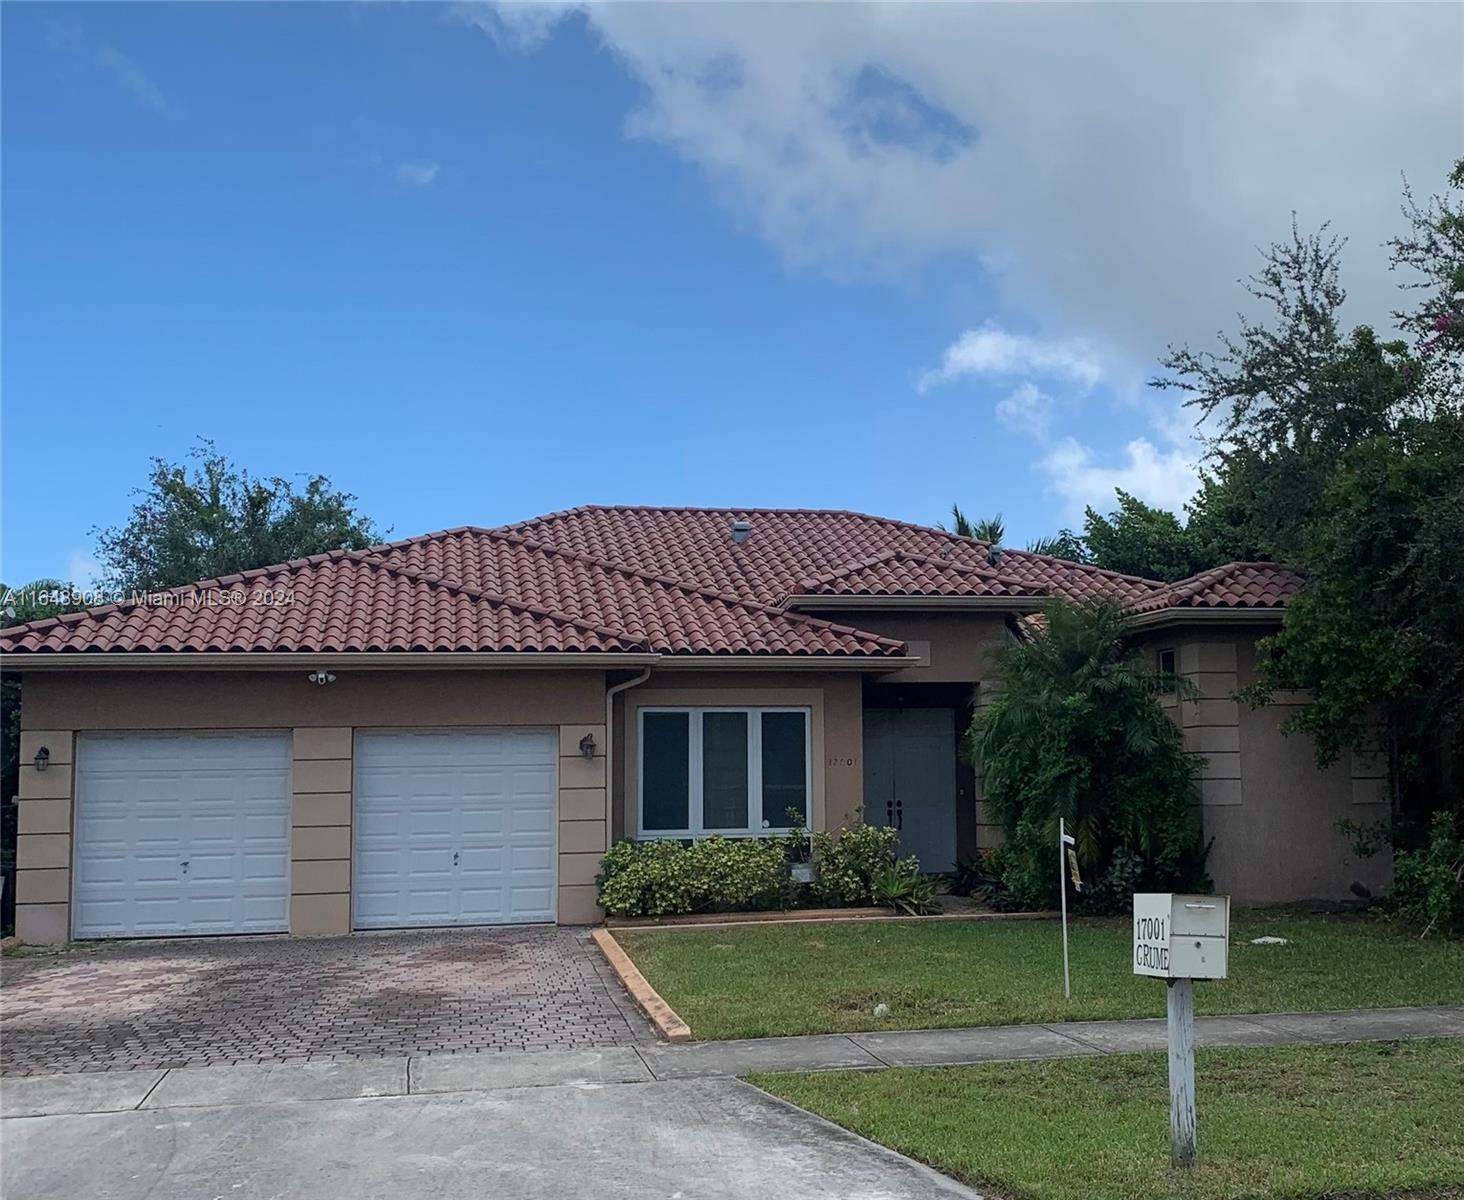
x: 843, y: 760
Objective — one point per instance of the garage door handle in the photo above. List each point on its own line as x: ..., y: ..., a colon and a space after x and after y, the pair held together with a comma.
x: 454, y: 858
x: 184, y: 865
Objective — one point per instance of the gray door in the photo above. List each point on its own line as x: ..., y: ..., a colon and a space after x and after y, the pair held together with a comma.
x: 910, y: 780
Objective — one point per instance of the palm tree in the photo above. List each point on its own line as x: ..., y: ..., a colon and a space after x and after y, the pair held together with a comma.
x: 990, y: 529
x: 1077, y: 731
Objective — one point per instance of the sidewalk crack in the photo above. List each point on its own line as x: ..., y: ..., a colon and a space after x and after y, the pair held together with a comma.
x: 858, y: 1045
x: 1075, y: 1039
x: 166, y: 1072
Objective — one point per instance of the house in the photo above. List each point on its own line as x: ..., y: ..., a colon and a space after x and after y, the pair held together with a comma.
x: 453, y: 728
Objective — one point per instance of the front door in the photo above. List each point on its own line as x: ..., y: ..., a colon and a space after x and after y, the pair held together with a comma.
x: 910, y: 780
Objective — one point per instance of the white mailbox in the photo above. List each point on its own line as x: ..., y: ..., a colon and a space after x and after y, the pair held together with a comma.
x: 1181, y: 937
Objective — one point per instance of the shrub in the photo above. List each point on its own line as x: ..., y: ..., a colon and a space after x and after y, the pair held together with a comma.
x: 849, y: 860
x: 902, y: 886
x: 1428, y: 883
x: 1077, y: 732
x: 717, y: 874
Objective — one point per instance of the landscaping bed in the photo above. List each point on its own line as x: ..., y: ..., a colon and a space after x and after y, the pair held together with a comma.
x: 774, y: 980
x: 1300, y: 1122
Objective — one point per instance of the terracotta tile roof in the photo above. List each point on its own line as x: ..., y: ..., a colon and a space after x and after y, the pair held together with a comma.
x: 463, y: 590
x: 339, y: 602
x: 618, y: 580
x: 896, y: 573
x: 1234, y: 585
x: 788, y: 546
x: 666, y: 616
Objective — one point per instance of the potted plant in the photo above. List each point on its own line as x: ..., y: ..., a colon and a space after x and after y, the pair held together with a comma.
x: 800, y: 849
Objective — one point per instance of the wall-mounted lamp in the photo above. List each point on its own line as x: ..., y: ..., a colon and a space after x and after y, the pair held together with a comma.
x: 321, y: 678
x: 587, y: 745
x: 43, y: 758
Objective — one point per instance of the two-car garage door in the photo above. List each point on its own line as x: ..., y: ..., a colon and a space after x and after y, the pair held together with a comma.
x: 188, y: 833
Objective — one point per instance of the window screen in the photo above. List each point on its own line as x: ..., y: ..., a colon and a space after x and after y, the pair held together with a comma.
x: 784, y: 767
x: 666, y: 775
x: 724, y: 770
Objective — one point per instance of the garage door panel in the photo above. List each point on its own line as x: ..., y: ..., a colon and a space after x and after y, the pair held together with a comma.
x: 424, y: 797
x: 149, y: 803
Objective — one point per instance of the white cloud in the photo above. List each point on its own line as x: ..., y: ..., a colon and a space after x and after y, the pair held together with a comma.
x: 1165, y: 478
x: 990, y: 350
x: 1116, y: 165
x: 417, y: 173
x: 129, y: 76
x: 1027, y: 410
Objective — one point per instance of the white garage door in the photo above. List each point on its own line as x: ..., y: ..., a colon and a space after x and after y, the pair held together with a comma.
x: 454, y: 827
x: 182, y: 833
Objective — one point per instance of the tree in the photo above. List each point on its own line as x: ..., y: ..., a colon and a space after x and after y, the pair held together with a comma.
x: 1077, y: 731
x: 988, y: 530
x: 216, y: 519
x: 1138, y: 539
x: 1066, y: 545
x: 1348, y: 451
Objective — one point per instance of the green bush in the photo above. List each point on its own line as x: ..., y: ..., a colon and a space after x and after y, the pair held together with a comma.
x: 716, y: 874
x: 849, y: 860
x: 1077, y: 732
x: 903, y: 887
x: 1428, y: 883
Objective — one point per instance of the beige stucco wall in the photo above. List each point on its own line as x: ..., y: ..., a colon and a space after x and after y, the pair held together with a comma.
x: 956, y: 646
x: 835, y: 703
x: 1272, y: 813
x: 321, y: 722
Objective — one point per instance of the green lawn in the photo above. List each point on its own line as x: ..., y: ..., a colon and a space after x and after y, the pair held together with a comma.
x: 771, y: 980
x: 1354, y: 1121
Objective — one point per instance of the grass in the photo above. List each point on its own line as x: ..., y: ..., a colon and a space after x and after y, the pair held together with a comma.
x: 1358, y: 1120
x: 773, y: 980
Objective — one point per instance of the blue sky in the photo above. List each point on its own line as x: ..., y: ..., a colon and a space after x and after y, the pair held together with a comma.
x: 476, y: 265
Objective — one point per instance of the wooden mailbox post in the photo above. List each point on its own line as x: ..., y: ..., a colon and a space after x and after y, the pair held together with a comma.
x: 1179, y: 939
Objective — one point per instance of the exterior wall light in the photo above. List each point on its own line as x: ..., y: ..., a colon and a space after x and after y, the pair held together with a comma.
x: 43, y: 758
x: 321, y: 678
x: 587, y: 745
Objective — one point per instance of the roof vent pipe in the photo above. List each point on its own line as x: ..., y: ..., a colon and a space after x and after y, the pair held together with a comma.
x: 741, y: 531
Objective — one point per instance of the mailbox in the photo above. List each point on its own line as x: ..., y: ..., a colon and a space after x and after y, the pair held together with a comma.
x: 1181, y: 937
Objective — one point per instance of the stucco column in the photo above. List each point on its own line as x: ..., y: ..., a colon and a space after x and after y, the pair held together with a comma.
x: 43, y: 842
x: 1211, y: 719
x: 320, y: 833
x: 583, y: 836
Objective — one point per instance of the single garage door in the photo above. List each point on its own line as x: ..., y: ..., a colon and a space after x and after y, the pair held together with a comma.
x: 182, y: 833
x: 454, y: 827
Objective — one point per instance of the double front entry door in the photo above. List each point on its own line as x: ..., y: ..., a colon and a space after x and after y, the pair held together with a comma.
x: 910, y: 780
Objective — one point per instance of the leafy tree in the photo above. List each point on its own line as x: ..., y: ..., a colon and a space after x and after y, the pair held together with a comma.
x: 1290, y: 396
x: 215, y: 519
x: 1348, y: 451
x: 1139, y: 539
x: 1077, y: 732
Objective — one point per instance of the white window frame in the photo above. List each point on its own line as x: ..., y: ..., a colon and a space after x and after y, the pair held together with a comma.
x: 695, y: 817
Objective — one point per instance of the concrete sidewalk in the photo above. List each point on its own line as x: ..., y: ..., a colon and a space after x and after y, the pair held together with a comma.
x: 248, y: 1083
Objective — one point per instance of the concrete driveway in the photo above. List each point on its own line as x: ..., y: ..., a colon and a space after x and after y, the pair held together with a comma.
x: 156, y: 1004
x: 708, y: 1139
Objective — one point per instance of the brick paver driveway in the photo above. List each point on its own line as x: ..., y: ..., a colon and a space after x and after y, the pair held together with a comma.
x: 188, y: 1003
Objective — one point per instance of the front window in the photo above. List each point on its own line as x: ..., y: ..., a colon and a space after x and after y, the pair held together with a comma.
x: 722, y: 770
